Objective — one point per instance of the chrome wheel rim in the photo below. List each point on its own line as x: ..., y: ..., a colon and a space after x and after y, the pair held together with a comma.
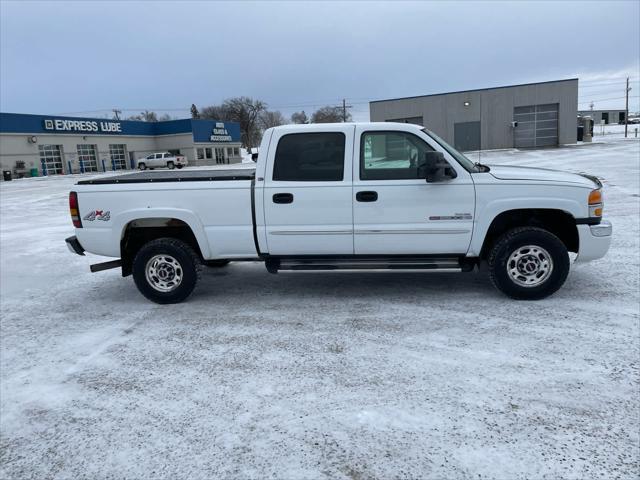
x: 529, y: 266
x: 164, y: 273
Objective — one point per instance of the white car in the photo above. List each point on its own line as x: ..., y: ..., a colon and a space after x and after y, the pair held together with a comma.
x: 162, y: 160
x: 368, y: 197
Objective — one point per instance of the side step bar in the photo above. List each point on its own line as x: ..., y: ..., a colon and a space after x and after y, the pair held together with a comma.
x: 98, y: 267
x: 445, y: 264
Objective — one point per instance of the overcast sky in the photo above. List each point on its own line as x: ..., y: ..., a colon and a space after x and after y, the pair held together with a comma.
x: 86, y: 58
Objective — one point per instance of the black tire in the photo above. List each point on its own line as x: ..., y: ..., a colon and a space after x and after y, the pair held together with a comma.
x: 187, y: 261
x: 179, y: 166
x: 142, y: 166
x: 171, y: 165
x: 514, y: 242
x: 216, y: 263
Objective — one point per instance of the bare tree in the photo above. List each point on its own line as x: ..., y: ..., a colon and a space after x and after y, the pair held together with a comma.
x: 165, y: 117
x: 299, y: 117
x: 271, y: 119
x: 329, y: 114
x: 194, y: 111
x: 215, y: 112
x: 146, y: 116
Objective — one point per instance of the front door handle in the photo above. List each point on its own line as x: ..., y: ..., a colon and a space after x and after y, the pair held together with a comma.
x: 367, y: 196
x: 283, y: 198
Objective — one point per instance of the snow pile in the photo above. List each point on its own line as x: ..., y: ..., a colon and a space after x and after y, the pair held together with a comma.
x: 318, y: 375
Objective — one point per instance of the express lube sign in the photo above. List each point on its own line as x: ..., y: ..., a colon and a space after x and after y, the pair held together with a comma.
x: 87, y: 126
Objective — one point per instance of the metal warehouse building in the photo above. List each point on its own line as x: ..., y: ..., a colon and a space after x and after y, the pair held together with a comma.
x: 59, y: 145
x: 604, y: 116
x: 521, y: 116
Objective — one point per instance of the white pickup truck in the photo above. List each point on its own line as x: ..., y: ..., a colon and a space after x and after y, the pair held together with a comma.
x: 363, y: 196
x: 162, y: 160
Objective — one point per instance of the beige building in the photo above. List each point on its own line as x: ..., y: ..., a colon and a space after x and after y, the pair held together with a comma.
x: 52, y: 145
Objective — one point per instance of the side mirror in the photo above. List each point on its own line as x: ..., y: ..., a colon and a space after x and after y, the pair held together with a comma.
x: 436, y: 168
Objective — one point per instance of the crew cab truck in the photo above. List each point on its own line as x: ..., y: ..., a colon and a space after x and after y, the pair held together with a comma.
x: 363, y: 196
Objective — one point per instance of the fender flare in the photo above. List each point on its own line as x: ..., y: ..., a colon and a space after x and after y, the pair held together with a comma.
x: 492, y: 209
x: 188, y: 217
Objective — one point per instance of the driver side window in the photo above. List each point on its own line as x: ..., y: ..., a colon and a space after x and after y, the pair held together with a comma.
x: 391, y: 156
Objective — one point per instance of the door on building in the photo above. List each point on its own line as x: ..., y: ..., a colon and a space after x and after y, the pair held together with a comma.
x: 621, y: 119
x: 51, y: 159
x: 219, y: 151
x: 466, y: 136
x: 308, y: 191
x: 537, y: 126
x: 88, y: 158
x: 605, y: 118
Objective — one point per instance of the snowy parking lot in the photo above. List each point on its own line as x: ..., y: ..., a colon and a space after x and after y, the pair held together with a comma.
x: 319, y: 375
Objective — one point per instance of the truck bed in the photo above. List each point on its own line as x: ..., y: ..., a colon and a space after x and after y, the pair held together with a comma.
x: 174, y: 176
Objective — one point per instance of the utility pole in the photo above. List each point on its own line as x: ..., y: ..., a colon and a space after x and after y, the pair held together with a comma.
x: 344, y: 109
x: 626, y: 109
x: 117, y: 113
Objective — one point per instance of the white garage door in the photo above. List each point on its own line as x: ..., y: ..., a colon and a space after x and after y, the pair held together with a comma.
x: 537, y: 125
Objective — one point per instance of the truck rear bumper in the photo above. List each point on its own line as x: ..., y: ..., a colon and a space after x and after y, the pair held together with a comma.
x: 74, y: 245
x: 594, y: 241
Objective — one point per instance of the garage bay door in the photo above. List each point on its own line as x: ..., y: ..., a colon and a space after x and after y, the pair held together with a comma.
x: 537, y: 125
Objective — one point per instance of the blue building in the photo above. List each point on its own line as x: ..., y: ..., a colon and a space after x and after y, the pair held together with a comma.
x: 59, y: 145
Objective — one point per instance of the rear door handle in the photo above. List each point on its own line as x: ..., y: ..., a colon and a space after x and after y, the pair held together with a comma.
x: 283, y: 198
x: 367, y: 196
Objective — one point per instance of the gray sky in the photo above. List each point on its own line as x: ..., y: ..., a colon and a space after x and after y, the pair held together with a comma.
x: 86, y: 58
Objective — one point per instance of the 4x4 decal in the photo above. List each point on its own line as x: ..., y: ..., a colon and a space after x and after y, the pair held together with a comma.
x: 98, y: 215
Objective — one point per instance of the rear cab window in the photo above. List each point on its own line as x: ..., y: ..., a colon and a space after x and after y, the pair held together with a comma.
x: 310, y: 157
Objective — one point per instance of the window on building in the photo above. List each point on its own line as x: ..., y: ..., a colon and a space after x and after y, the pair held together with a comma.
x: 51, y: 159
x: 310, y: 157
x: 236, y: 151
x: 87, y: 158
x: 208, y: 153
x: 199, y: 153
x: 391, y: 156
x: 118, y: 154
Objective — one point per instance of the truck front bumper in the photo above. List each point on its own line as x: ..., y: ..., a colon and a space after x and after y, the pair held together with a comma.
x: 74, y: 245
x: 594, y: 241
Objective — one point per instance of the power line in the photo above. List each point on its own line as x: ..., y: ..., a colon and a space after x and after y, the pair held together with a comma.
x: 605, y: 99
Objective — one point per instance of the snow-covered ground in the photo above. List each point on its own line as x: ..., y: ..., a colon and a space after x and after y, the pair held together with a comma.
x: 319, y: 375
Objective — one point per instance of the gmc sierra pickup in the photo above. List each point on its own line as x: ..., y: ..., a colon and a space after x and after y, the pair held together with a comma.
x: 364, y: 196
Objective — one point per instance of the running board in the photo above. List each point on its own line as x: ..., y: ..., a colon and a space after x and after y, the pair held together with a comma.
x: 99, y: 267
x: 450, y: 264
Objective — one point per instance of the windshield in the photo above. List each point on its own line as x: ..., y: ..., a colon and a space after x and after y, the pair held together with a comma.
x: 462, y: 160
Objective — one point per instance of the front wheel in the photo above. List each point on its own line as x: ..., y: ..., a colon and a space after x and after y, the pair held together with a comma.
x: 171, y: 165
x: 166, y: 270
x: 142, y: 166
x: 528, y: 263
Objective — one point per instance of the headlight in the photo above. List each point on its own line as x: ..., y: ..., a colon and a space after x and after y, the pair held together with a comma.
x: 595, y: 203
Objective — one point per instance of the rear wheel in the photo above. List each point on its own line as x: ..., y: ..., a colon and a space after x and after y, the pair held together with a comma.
x: 166, y: 270
x: 171, y: 165
x: 142, y: 165
x: 528, y: 263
